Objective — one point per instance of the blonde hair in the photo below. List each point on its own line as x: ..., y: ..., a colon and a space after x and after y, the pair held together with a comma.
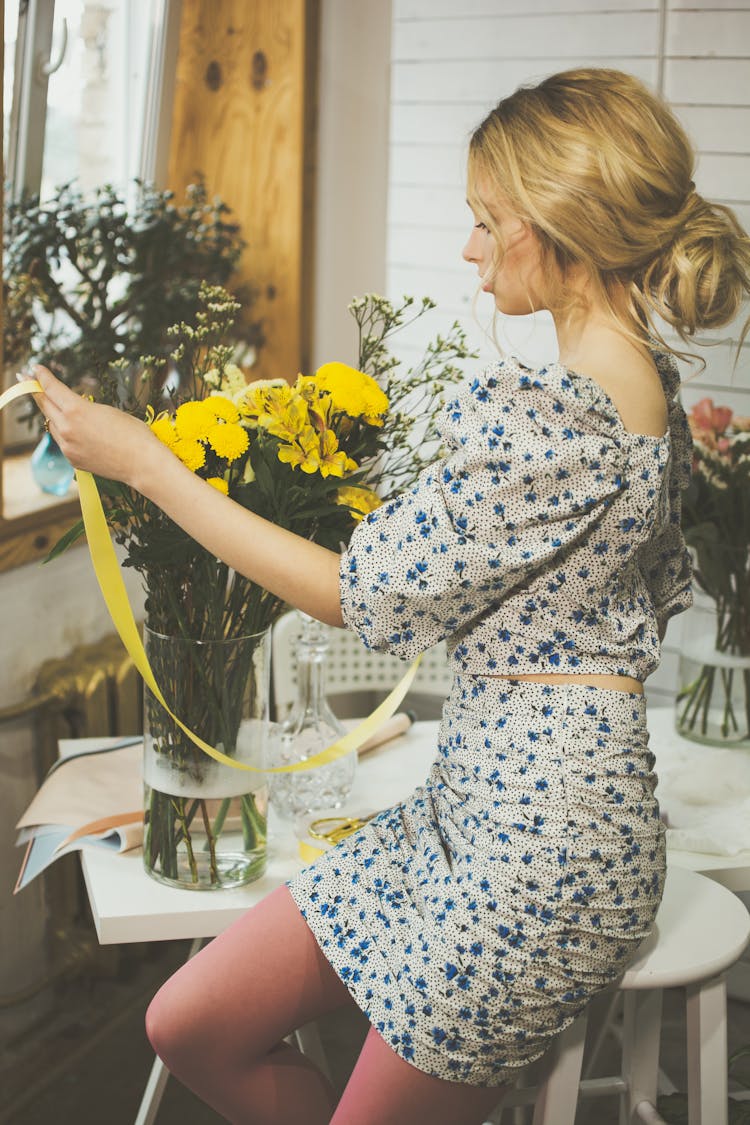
x: 602, y: 171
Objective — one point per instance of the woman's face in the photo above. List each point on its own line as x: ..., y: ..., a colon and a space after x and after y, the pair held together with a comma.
x: 509, y: 266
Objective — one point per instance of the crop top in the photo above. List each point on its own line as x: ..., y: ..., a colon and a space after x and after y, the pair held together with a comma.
x: 548, y: 539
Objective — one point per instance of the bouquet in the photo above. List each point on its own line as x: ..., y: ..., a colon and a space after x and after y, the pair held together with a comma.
x: 315, y: 457
x: 716, y: 523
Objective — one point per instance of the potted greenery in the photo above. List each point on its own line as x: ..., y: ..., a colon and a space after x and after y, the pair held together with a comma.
x: 92, y: 280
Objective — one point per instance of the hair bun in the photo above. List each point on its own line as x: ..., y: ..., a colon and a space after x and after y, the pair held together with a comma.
x: 699, y: 279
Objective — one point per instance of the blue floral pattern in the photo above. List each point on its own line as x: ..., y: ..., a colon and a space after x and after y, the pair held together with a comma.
x: 548, y: 539
x: 473, y: 921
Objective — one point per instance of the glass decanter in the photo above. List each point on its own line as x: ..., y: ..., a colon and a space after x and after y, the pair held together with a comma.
x: 310, y: 727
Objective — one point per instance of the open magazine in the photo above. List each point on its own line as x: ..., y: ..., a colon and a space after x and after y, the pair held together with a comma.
x: 93, y: 795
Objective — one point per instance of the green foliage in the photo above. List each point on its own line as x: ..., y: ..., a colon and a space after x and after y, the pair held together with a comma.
x: 106, y: 281
x: 415, y: 394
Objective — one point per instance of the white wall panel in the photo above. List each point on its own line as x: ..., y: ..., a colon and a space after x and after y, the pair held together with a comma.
x: 712, y: 130
x: 488, y: 81
x: 700, y: 33
x: 724, y: 176
x: 707, y: 81
x: 525, y: 37
x: 442, y: 9
x: 443, y: 207
x: 436, y: 122
x: 451, y: 63
x: 441, y: 165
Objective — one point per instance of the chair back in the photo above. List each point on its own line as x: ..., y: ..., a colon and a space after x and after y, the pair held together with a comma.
x: 350, y: 667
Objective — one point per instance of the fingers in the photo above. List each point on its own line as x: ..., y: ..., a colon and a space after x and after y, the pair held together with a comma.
x: 53, y: 389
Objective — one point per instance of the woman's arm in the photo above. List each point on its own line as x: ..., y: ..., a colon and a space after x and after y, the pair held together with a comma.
x: 115, y: 445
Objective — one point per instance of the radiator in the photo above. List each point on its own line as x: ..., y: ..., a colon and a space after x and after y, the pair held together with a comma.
x: 93, y: 691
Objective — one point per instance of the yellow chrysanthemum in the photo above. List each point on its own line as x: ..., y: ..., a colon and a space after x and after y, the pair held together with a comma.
x: 361, y: 500
x: 191, y: 453
x: 222, y: 407
x: 352, y: 392
x: 228, y: 440
x: 219, y: 484
x: 164, y: 429
x: 193, y: 420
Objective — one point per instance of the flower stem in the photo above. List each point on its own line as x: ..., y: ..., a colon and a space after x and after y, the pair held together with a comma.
x: 211, y: 841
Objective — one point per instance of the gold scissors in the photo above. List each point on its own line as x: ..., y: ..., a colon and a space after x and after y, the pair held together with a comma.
x: 340, y: 826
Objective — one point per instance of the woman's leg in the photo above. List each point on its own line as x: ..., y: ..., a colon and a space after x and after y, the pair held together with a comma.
x: 219, y: 1021
x: 386, y: 1090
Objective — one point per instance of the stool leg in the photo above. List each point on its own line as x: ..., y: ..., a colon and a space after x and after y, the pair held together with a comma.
x: 641, y: 1033
x: 558, y: 1095
x: 707, y: 1052
x: 309, y: 1043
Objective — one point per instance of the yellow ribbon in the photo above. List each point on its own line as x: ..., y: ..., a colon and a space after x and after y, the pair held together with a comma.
x: 109, y: 577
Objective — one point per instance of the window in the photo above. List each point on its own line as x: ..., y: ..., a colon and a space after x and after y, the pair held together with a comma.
x: 87, y: 99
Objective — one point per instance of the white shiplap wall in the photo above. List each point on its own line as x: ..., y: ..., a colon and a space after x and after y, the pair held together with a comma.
x: 451, y: 63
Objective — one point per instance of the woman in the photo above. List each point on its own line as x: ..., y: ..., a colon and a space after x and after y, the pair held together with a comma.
x: 472, y: 922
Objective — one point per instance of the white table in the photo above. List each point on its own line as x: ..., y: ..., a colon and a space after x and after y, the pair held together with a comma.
x: 128, y: 905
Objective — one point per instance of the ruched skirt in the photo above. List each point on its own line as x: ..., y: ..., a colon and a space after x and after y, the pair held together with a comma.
x: 473, y: 921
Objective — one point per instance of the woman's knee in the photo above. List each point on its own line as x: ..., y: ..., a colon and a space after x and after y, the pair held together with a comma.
x: 174, y: 1026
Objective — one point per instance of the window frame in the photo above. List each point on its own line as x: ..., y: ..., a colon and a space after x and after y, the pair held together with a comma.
x: 29, y: 535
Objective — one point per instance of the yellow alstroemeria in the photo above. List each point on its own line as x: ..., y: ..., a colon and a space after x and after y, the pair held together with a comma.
x: 331, y: 461
x: 228, y: 440
x: 291, y: 420
x: 262, y: 406
x: 361, y: 500
x: 303, y: 453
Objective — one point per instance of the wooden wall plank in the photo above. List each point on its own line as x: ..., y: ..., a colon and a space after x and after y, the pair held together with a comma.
x: 243, y: 115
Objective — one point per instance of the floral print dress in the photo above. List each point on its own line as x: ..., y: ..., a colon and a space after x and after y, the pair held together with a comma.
x: 472, y: 921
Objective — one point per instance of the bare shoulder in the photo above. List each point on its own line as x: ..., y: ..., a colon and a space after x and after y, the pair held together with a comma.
x: 629, y: 376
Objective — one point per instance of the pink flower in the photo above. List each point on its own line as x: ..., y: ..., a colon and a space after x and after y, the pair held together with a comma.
x: 705, y: 418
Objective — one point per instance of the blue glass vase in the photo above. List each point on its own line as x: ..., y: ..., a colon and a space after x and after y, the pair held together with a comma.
x: 50, y: 468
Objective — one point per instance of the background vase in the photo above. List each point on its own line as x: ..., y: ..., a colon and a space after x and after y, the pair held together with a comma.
x: 50, y: 468
x: 205, y: 822
x: 713, y: 700
x: 310, y: 727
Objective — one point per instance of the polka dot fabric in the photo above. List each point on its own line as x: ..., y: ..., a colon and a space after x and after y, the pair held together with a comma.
x: 472, y: 922
x: 547, y: 540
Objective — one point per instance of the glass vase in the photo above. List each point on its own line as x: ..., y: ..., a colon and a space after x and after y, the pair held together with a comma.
x: 205, y: 822
x: 50, y: 468
x: 713, y: 700
x: 310, y: 727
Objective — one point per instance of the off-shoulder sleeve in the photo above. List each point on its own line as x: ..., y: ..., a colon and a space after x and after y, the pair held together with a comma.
x: 521, y: 485
x: 664, y: 559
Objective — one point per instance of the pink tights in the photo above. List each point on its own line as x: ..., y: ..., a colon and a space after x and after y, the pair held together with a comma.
x: 220, y: 1021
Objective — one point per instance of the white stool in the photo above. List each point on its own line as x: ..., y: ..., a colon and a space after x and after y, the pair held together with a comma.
x: 701, y: 929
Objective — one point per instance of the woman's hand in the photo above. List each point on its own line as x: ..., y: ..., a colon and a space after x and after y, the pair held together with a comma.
x: 99, y: 438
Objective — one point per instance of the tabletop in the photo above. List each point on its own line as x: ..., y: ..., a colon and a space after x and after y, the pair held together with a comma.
x: 128, y: 905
